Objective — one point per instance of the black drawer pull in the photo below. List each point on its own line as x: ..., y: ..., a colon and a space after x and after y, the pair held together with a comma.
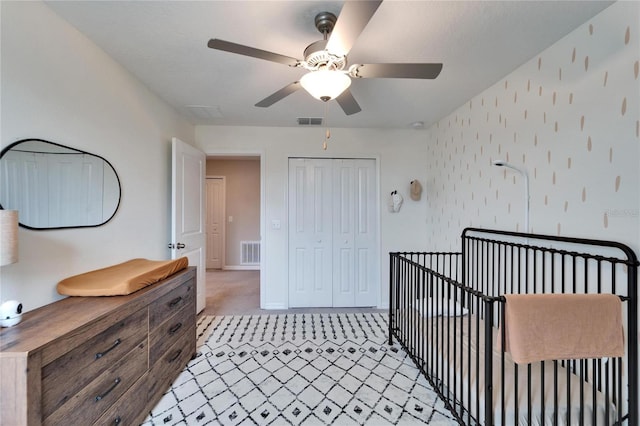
x: 178, y: 352
x: 175, y: 328
x: 108, y: 391
x: 175, y: 301
x: 101, y: 354
x: 117, y: 420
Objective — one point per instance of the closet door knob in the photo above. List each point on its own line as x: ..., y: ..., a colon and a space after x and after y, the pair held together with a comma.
x: 180, y: 246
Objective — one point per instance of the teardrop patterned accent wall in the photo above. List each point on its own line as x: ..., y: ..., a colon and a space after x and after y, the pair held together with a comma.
x: 541, y: 117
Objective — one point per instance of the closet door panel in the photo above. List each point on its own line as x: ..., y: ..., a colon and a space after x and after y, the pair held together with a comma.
x: 310, y: 239
x: 343, y: 233
x: 365, y: 236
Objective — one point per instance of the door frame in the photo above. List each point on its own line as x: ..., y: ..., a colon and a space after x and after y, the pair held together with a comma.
x: 223, y: 259
x: 379, y: 206
x: 263, y: 251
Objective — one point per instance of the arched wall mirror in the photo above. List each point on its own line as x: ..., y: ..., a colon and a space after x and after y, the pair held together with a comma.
x: 53, y: 186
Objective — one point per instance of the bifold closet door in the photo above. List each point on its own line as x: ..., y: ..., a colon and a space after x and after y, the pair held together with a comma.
x: 332, y: 233
x: 310, y: 233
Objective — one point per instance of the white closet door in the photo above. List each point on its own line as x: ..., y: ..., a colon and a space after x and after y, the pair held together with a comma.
x: 310, y: 233
x: 333, y: 233
x: 354, y: 237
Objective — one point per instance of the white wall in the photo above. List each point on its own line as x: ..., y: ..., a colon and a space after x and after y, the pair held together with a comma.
x: 401, y: 156
x: 570, y: 116
x: 57, y: 85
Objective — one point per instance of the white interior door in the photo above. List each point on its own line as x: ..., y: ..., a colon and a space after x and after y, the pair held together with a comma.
x: 188, y: 211
x: 310, y: 233
x: 342, y: 202
x: 215, y: 222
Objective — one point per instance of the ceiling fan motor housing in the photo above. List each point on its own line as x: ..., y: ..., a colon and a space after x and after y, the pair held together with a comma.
x: 316, y: 55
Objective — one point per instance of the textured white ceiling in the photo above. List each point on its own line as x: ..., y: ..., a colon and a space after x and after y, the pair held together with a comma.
x: 164, y: 43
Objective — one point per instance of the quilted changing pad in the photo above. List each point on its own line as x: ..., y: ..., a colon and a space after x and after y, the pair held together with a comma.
x: 121, y: 279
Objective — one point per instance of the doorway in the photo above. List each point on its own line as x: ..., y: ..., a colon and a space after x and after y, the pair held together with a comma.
x: 235, y: 182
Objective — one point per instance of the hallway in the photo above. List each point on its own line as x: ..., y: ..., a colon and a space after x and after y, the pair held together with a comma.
x: 232, y: 292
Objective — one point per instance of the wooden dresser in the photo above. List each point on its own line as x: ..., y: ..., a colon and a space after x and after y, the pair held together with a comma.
x: 98, y: 360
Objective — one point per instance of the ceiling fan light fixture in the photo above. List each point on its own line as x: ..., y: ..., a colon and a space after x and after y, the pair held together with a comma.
x: 325, y: 84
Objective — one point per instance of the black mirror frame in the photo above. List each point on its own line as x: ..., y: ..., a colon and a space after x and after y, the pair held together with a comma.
x: 11, y: 145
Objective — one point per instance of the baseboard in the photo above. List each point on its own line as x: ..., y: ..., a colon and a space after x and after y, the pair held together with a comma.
x: 273, y: 306
x: 241, y: 267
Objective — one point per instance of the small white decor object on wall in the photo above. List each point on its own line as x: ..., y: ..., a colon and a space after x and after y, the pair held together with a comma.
x: 395, y: 202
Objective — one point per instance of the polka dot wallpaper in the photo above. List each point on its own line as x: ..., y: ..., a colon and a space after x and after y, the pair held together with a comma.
x: 570, y: 119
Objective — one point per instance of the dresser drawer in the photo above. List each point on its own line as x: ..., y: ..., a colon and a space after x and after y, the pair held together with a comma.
x: 166, y: 334
x: 171, y: 303
x: 64, y: 377
x: 171, y: 363
x: 96, y: 397
x: 129, y: 410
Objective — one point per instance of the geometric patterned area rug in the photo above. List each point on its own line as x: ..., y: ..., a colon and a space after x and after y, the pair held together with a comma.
x: 299, y: 369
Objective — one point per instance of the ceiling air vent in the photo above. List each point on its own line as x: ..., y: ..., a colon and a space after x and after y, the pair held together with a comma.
x: 309, y: 121
x: 204, y: 111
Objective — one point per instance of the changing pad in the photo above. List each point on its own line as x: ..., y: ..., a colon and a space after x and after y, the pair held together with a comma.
x: 122, y: 279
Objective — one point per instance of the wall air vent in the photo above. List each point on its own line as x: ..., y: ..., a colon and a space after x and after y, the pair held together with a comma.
x: 249, y: 252
x: 309, y: 121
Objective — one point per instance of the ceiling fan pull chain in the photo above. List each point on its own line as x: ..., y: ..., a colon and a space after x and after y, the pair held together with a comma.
x: 327, y: 133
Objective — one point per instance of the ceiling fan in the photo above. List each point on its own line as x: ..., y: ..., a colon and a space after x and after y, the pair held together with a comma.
x: 329, y: 75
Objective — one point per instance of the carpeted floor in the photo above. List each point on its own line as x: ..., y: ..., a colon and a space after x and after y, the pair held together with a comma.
x: 299, y: 369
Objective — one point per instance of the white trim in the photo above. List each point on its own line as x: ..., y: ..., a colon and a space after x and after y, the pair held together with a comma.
x: 263, y: 229
x: 273, y: 306
x: 241, y: 268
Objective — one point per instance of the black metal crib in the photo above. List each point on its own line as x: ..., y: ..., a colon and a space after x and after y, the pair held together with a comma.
x: 447, y: 309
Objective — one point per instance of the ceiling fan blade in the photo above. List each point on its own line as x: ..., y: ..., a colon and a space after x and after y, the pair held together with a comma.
x: 348, y: 103
x: 280, y: 94
x: 428, y: 71
x: 354, y: 17
x: 240, y: 49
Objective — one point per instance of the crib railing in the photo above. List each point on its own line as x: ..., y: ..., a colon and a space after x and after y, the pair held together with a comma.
x: 491, y: 264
